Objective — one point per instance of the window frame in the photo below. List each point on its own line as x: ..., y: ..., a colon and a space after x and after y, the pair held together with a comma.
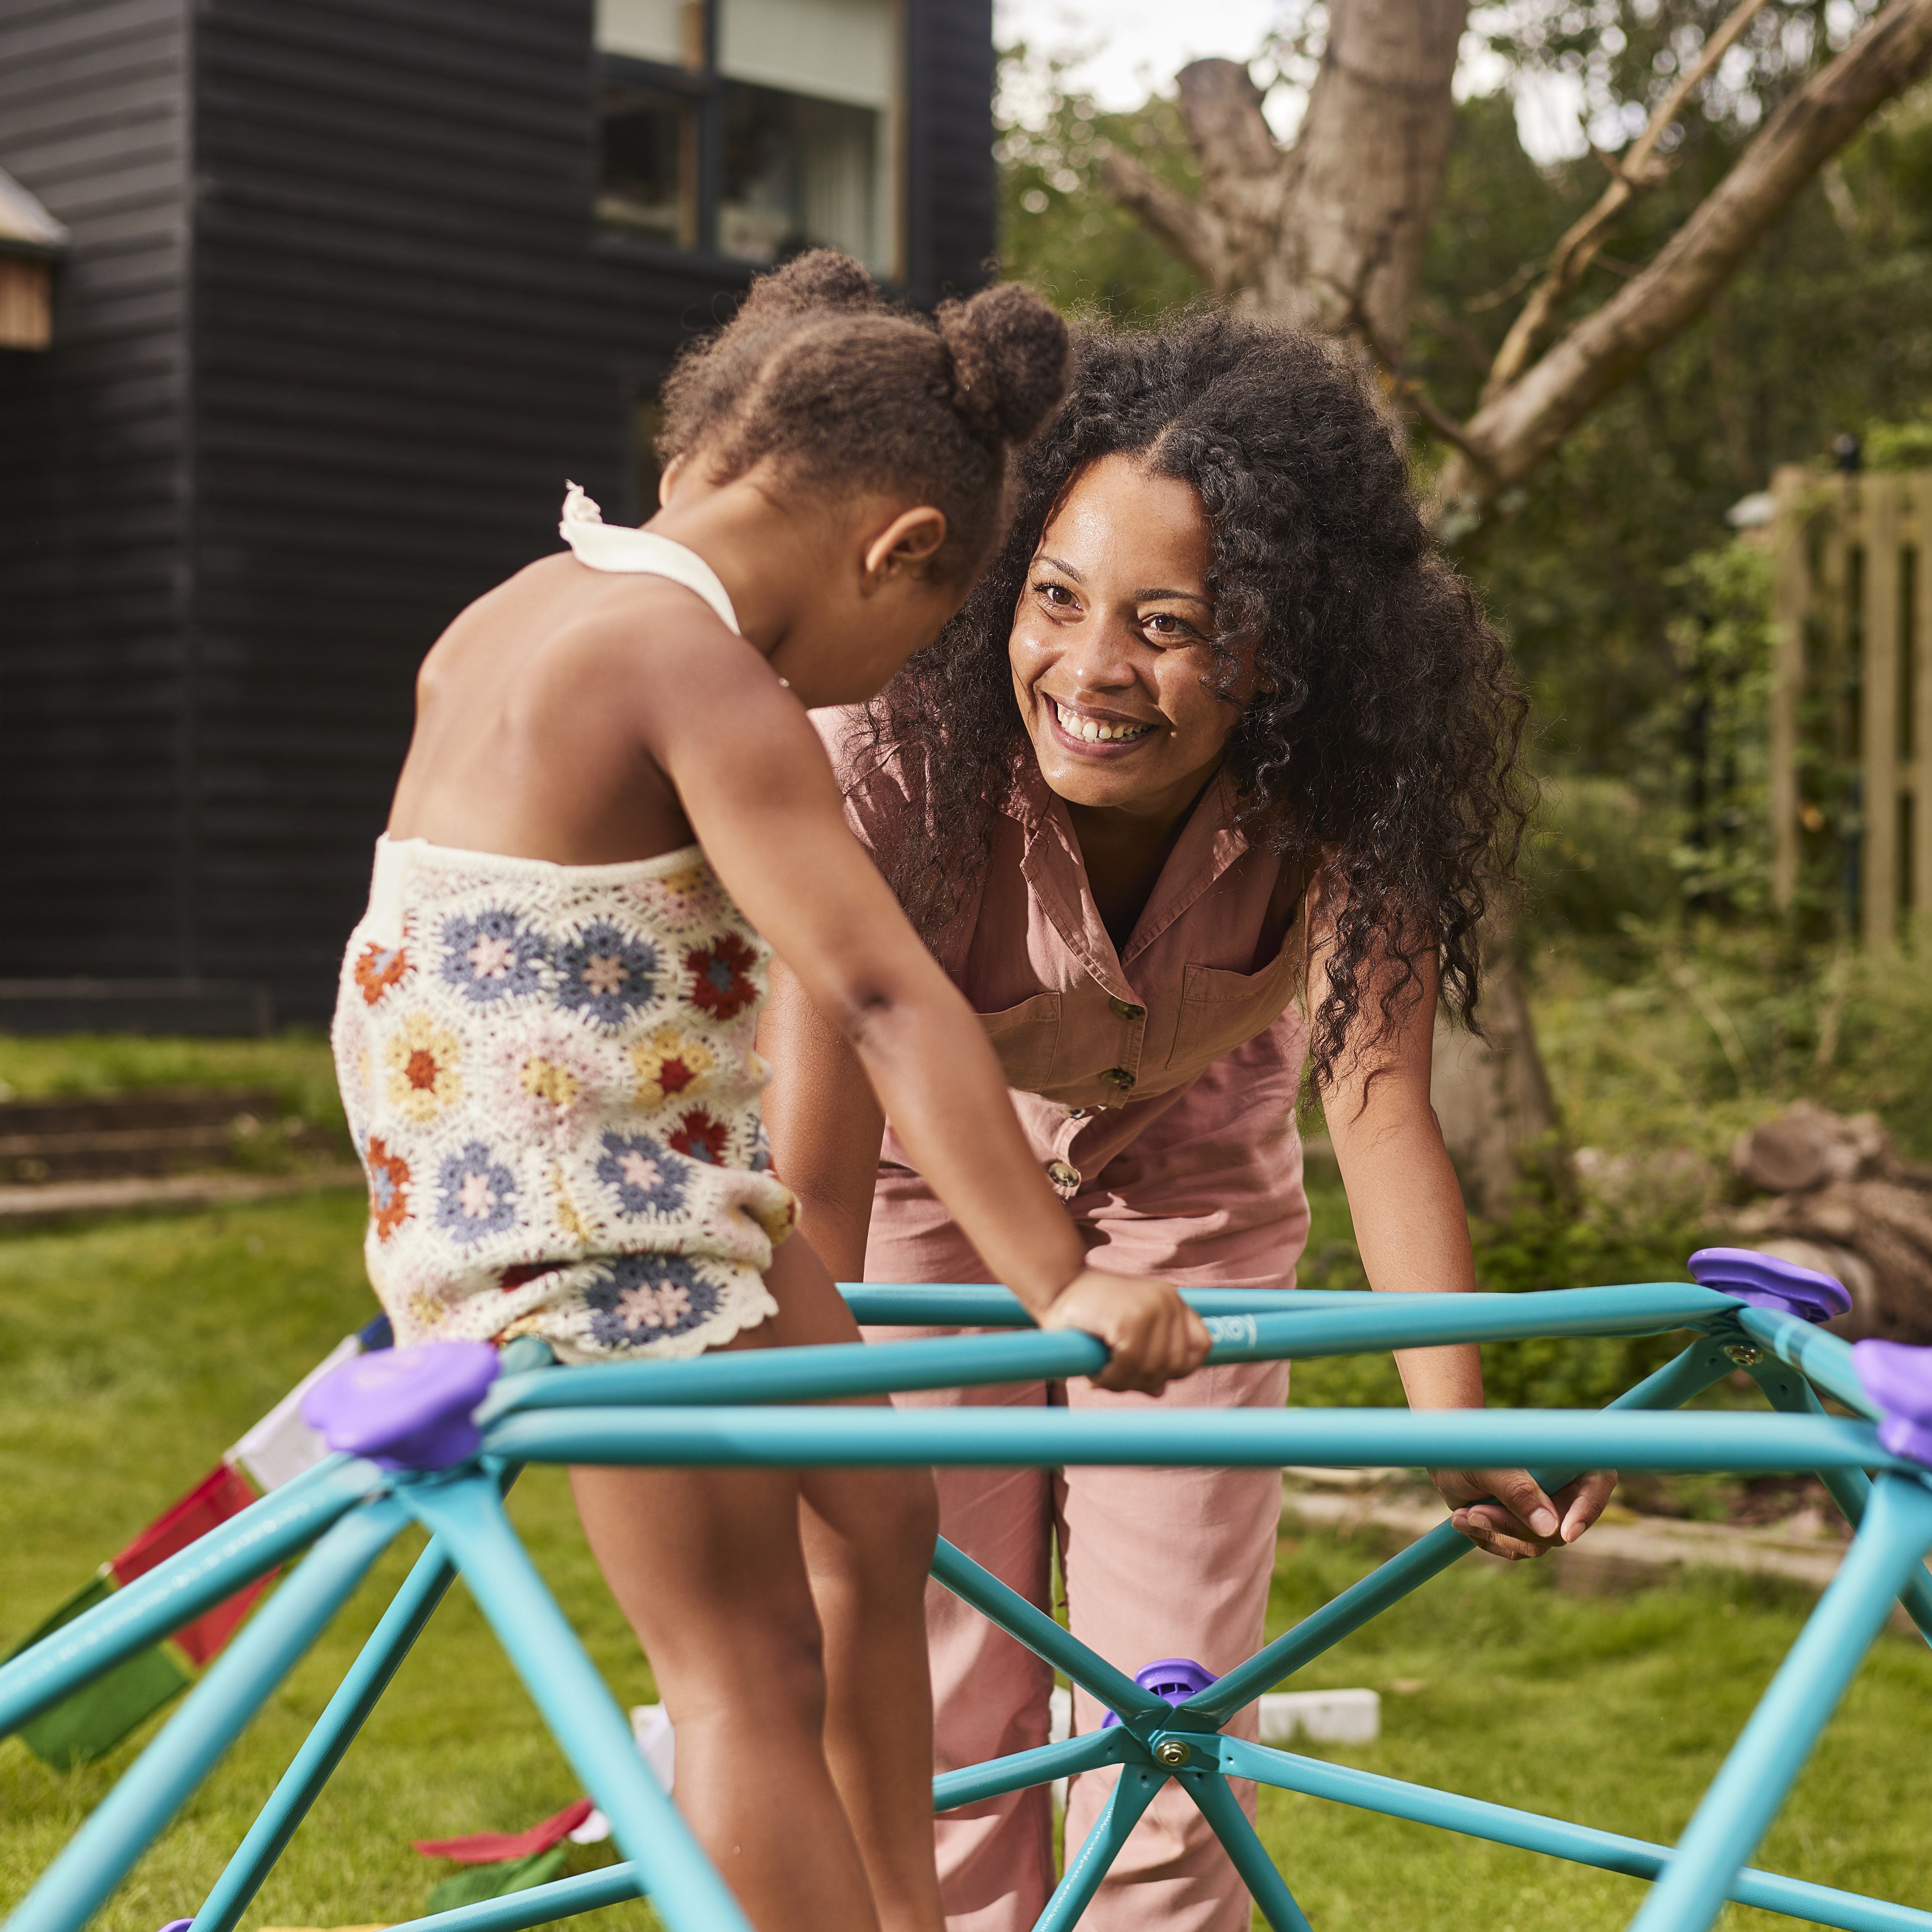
x: 704, y: 88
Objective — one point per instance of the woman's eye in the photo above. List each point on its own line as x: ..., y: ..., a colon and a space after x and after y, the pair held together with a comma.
x: 1164, y: 624
x: 1056, y: 594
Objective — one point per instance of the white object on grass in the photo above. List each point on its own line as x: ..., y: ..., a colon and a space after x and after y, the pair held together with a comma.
x: 1324, y: 1716
x: 650, y: 1725
x: 282, y: 1445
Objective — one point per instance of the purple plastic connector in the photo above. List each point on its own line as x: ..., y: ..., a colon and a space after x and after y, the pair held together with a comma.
x: 1176, y: 1678
x: 1766, y: 1282
x: 405, y: 1409
x: 177, y: 1925
x: 1898, y: 1377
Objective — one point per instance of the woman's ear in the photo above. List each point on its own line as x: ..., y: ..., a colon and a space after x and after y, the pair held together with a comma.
x: 904, y: 546
x: 667, y: 482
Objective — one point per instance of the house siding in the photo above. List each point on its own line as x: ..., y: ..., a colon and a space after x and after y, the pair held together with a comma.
x: 397, y: 333
x: 94, y: 501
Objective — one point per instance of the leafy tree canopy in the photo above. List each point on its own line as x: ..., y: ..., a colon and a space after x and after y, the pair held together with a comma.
x: 1827, y: 327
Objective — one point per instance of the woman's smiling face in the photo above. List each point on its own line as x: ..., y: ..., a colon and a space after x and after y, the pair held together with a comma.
x: 1110, y: 644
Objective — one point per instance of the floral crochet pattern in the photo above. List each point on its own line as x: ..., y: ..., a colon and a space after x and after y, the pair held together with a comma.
x: 549, y: 1071
x: 422, y: 1059
x: 606, y: 974
x: 378, y: 968
x: 389, y: 1189
x: 643, y: 1174
x: 720, y: 977
x: 491, y: 958
x: 476, y: 1195
x: 648, y: 1299
x: 671, y: 1065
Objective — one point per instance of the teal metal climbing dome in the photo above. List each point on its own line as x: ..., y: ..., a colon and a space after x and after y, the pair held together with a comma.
x: 435, y: 1434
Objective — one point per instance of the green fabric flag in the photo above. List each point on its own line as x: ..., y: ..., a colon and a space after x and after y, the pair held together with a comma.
x: 99, y: 1714
x: 481, y: 1881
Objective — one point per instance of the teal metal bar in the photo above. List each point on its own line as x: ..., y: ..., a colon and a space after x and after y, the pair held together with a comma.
x: 1677, y: 1382
x: 1771, y: 1750
x: 467, y: 1515
x: 824, y: 1372
x: 1821, y: 1358
x: 1554, y: 1837
x: 883, y: 1304
x: 1785, y: 1389
x: 1426, y: 1321
x: 1135, y: 1708
x: 1020, y: 1771
x: 832, y: 1370
x: 127, y: 1820
x: 540, y: 1905
x: 1133, y: 1791
x: 1249, y: 1855
x: 321, y: 1750
x: 207, y: 1572
x: 1343, y: 1439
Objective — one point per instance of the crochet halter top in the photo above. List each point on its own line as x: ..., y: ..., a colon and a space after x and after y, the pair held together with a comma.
x: 548, y: 1072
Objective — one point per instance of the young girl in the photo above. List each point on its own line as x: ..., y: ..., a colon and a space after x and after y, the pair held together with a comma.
x: 613, y: 802
x: 1204, y: 785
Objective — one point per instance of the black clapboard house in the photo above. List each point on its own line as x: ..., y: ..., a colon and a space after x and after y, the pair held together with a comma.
x: 353, y: 287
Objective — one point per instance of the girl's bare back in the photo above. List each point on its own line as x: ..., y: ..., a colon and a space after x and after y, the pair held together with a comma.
x: 534, y: 713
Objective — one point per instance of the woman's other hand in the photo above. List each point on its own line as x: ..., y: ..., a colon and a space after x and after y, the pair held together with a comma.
x: 1506, y: 1512
x: 1151, y: 1334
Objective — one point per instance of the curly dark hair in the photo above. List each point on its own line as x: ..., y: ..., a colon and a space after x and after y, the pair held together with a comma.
x: 818, y: 374
x: 1379, y: 752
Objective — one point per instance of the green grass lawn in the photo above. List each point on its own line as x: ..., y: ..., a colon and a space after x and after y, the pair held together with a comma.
x: 296, y: 1064
x: 132, y: 1353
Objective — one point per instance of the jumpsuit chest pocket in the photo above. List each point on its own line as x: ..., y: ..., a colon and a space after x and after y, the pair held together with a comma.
x: 1025, y: 1037
x: 1220, y: 1010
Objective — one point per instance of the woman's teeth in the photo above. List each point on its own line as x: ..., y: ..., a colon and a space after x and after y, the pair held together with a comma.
x: 1093, y: 730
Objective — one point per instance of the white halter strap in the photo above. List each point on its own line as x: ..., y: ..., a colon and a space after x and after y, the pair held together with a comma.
x: 611, y: 547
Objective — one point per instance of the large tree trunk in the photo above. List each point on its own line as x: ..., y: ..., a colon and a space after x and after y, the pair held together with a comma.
x: 1328, y: 234
x: 1492, y: 1096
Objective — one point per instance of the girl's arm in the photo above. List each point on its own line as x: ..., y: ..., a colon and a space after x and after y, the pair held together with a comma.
x: 825, y: 1125
x: 1413, y: 1232
x: 755, y: 783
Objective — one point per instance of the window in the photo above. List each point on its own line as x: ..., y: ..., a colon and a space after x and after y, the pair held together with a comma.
x: 753, y: 128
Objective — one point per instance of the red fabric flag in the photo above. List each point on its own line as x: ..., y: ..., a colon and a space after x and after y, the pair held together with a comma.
x: 225, y: 1493
x: 491, y: 1848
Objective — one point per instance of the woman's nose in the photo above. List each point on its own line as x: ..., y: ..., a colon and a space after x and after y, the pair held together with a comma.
x: 1102, y: 657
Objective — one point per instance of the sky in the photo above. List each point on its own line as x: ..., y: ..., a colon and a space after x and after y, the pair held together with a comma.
x: 1129, y: 48
x: 1138, y: 44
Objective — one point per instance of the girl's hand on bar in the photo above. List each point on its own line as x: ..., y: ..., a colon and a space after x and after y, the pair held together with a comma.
x: 1152, y: 1335
x: 1504, y: 1512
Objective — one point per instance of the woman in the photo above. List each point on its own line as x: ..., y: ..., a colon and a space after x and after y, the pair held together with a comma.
x: 1206, y: 783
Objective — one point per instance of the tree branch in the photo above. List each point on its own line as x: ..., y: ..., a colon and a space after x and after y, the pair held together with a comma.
x: 1630, y: 172
x: 1221, y: 107
x: 1512, y: 432
x: 1193, y: 232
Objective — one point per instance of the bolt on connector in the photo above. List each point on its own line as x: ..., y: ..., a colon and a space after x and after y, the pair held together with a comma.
x: 1170, y: 1752
x: 1744, y: 1354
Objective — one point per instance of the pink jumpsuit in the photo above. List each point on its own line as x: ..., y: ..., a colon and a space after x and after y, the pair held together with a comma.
x: 1158, y: 1087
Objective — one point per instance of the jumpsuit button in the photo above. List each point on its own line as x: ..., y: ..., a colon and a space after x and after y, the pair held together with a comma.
x: 1063, y: 1175
x: 1125, y: 1009
x: 1118, y: 1078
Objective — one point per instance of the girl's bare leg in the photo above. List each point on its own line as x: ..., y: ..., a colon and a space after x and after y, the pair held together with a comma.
x: 706, y: 1563
x: 868, y: 1536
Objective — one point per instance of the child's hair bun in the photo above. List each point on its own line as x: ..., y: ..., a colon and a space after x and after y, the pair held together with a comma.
x: 1009, y: 353
x: 820, y: 278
